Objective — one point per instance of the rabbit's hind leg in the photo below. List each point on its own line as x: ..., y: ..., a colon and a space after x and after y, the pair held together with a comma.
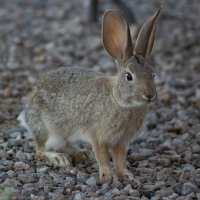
x: 55, y: 149
x: 103, y: 159
x: 49, y: 146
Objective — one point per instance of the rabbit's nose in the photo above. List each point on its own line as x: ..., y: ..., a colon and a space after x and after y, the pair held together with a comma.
x: 149, y: 97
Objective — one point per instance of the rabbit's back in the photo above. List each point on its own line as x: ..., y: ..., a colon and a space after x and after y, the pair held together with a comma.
x: 64, y: 79
x: 73, y: 98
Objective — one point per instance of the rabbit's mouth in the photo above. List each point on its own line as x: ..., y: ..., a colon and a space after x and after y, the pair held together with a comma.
x: 148, y: 98
x: 140, y: 100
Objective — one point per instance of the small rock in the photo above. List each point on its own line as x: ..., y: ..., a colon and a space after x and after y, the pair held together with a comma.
x: 10, y: 173
x: 144, y: 198
x: 167, y: 145
x: 57, y: 196
x: 165, y: 96
x: 104, y: 188
x: 195, y: 148
x: 189, y: 168
x: 128, y: 189
x: 198, y: 137
x: 188, y: 188
x: 171, y: 197
x: 34, y: 197
x: 165, y: 192
x: 81, y: 177
x: 20, y: 155
x: 165, y: 162
x: 115, y: 191
x: 91, y: 181
x: 78, y: 196
x: 27, y: 178
x: 21, y: 166
x: 69, y: 181
x: 187, y: 156
x: 124, y: 197
x: 156, y: 197
x: 178, y: 144
x: 178, y: 188
x: 42, y: 169
x: 15, y: 134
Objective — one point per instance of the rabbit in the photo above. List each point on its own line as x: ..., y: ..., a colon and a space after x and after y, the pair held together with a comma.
x: 106, y: 110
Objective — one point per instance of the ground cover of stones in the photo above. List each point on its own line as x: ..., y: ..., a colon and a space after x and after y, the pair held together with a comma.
x: 36, y: 36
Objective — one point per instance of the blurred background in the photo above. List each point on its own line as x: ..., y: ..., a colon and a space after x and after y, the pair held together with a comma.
x: 40, y: 35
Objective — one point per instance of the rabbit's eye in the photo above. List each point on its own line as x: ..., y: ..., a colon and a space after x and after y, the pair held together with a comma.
x: 129, y: 77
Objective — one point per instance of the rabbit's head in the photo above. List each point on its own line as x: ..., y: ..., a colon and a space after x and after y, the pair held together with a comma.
x: 134, y: 83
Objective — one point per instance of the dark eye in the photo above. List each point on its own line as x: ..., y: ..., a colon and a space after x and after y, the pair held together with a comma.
x: 129, y: 77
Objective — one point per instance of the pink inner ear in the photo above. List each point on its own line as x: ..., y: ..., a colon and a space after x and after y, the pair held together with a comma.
x: 115, y: 35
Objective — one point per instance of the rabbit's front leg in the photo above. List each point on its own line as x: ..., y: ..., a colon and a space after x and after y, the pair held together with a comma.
x: 119, y: 159
x: 103, y: 159
x: 119, y: 152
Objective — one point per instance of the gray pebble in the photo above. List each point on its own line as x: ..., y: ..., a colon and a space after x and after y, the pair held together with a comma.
x: 178, y: 144
x: 171, y: 197
x: 78, y: 196
x: 57, y: 196
x: 104, y: 188
x: 188, y: 188
x: 188, y: 167
x: 115, y: 191
x: 91, y: 181
x: 129, y: 190
x: 15, y: 134
x: 69, y: 181
x: 42, y: 169
x: 81, y: 177
x: 10, y: 173
x: 196, y: 148
x: 26, y: 178
x: 35, y: 197
x: 20, y: 155
x: 21, y: 166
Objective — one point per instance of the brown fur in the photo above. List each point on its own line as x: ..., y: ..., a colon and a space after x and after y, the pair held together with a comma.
x: 108, y: 110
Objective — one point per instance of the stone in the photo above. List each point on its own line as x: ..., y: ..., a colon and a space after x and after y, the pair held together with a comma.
x: 78, y: 196
x: 115, y: 191
x: 188, y: 188
x: 129, y: 190
x: 21, y: 166
x: 69, y: 181
x: 91, y: 181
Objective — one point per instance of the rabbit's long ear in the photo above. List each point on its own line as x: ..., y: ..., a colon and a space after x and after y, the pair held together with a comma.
x: 146, y: 36
x: 116, y: 36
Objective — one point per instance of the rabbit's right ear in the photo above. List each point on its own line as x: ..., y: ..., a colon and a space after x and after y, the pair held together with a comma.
x: 116, y: 36
x: 146, y: 36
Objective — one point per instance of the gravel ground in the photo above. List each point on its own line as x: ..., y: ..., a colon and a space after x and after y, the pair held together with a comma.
x: 36, y: 36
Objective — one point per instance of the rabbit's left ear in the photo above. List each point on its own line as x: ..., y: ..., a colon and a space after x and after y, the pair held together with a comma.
x: 116, y: 36
x: 146, y: 36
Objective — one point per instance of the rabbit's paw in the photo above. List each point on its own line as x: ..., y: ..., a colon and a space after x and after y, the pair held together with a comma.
x: 57, y: 159
x: 105, y: 175
x: 80, y: 156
